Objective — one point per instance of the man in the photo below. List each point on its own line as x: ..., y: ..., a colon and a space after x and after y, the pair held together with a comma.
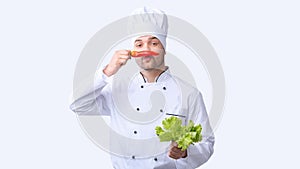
x: 182, y: 100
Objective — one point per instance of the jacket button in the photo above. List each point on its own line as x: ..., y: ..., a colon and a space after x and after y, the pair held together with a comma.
x: 155, y: 159
x: 164, y: 88
x: 138, y: 109
x: 133, y: 157
x: 135, y: 132
x: 161, y: 110
x: 142, y: 86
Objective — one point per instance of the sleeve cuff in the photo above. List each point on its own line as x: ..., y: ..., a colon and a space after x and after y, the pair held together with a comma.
x: 187, y: 162
x: 101, y: 78
x: 182, y: 163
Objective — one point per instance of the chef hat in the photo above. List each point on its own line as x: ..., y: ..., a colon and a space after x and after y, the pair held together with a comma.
x: 147, y: 21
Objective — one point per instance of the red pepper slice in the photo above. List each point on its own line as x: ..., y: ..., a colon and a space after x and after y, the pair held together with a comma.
x: 143, y: 53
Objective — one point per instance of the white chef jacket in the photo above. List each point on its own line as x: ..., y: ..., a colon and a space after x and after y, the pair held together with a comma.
x: 187, y: 106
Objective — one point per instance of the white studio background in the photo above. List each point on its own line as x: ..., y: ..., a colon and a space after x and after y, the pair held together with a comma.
x: 257, y: 43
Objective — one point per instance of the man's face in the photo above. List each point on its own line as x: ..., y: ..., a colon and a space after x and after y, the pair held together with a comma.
x: 151, y: 43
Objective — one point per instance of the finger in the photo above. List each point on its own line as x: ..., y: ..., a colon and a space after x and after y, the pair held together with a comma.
x: 122, y: 61
x: 173, y: 156
x: 176, y: 156
x: 177, y: 153
x: 176, y: 149
x: 174, y: 144
x: 124, y: 57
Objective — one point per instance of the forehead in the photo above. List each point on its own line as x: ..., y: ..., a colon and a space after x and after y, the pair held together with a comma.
x: 145, y: 38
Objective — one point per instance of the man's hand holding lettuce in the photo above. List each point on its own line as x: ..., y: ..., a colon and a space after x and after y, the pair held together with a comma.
x: 172, y: 130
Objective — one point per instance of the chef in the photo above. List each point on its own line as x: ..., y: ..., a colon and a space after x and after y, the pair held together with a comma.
x: 181, y: 100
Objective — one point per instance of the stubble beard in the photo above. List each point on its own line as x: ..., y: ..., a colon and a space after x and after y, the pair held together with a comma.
x: 154, y: 65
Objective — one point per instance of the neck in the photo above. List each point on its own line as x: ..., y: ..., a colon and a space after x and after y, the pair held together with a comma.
x: 151, y: 74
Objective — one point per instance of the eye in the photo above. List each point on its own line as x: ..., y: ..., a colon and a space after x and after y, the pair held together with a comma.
x: 138, y: 45
x: 154, y: 44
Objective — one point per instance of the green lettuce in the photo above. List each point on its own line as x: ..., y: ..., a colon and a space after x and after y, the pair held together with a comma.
x: 172, y: 130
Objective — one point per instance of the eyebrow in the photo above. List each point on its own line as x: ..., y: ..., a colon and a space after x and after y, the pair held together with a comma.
x: 138, y: 40
x: 153, y: 37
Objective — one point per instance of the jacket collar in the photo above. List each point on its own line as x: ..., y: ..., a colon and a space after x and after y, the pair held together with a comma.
x: 163, y: 76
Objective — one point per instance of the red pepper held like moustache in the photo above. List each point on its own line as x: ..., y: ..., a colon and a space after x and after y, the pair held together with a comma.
x: 142, y: 53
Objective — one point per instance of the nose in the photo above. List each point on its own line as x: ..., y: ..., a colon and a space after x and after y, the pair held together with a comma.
x: 146, y: 46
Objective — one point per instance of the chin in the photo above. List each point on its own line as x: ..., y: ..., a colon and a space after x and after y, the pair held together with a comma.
x: 147, y: 68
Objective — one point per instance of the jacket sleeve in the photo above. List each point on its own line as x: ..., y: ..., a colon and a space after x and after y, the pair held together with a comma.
x: 198, y: 153
x: 93, y: 98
